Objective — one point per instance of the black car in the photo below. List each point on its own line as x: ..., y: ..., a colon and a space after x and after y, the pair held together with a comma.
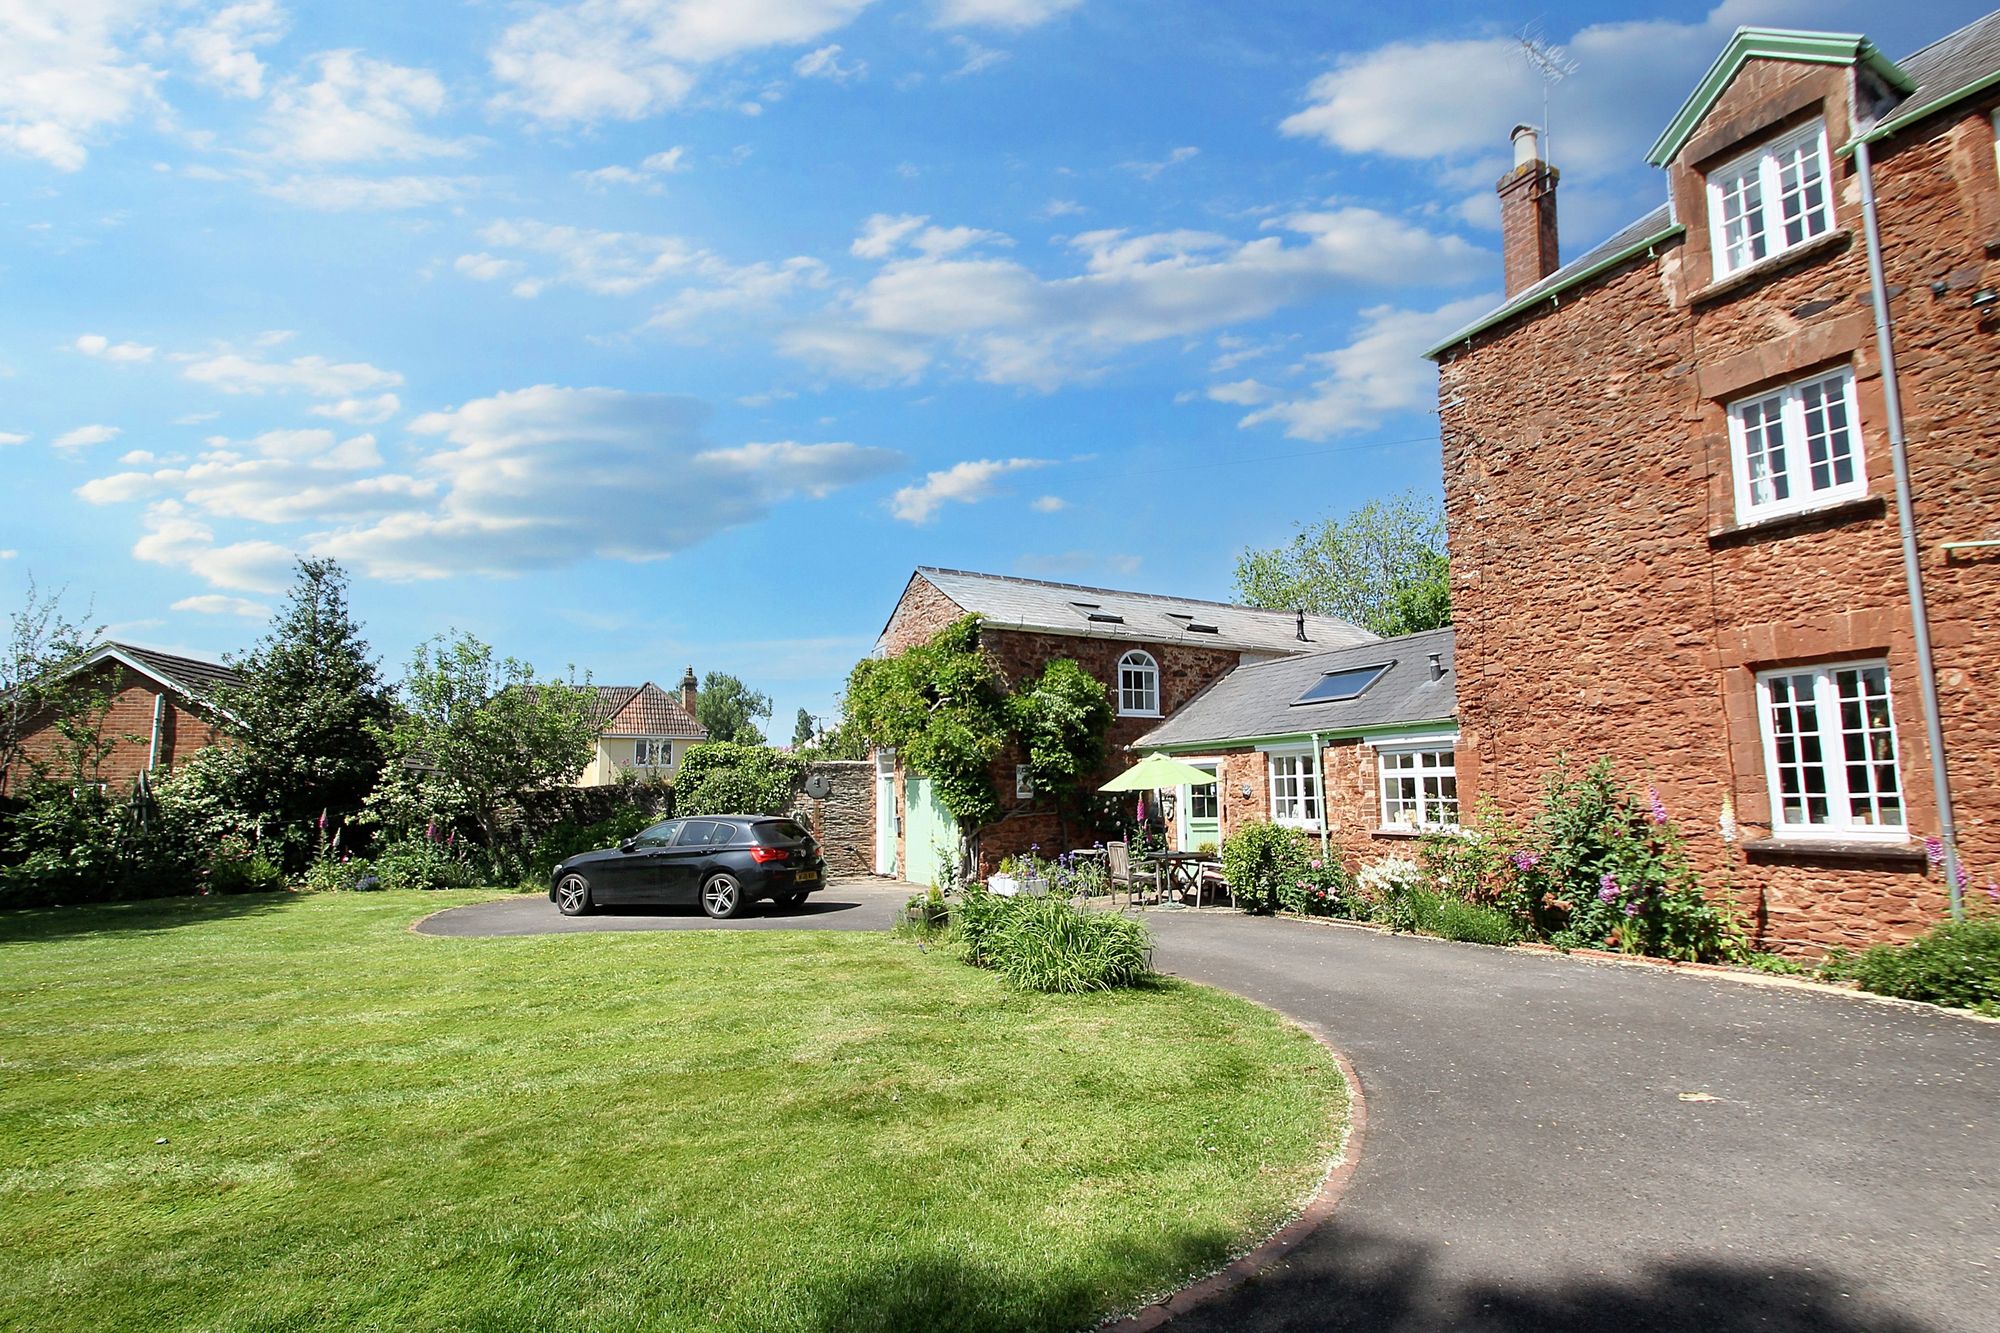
x: 723, y: 862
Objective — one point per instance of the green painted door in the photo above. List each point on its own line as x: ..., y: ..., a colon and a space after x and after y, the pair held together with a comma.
x: 930, y: 835
x: 1203, y: 820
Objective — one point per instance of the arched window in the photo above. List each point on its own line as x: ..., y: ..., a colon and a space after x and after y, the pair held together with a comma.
x: 1138, y: 685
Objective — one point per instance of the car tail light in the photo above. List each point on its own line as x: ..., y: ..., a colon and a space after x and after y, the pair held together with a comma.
x: 761, y: 855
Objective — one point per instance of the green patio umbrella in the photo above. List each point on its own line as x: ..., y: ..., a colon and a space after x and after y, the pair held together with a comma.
x: 1158, y: 770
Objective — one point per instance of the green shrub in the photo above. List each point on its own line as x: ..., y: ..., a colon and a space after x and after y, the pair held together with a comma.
x: 1262, y: 861
x: 423, y: 863
x: 252, y: 872
x: 1391, y: 892
x: 1322, y: 888
x: 329, y: 874
x: 1956, y: 964
x: 1474, y: 923
x: 722, y: 778
x: 1777, y: 965
x: 567, y: 838
x: 975, y: 924
x: 1047, y: 944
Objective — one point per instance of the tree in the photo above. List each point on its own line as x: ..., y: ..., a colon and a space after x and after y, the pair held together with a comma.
x: 473, y: 731
x: 730, y: 709
x: 38, y: 673
x: 1382, y: 567
x: 802, y: 730
x: 310, y: 710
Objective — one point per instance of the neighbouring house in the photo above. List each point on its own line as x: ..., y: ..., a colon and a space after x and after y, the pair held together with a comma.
x: 162, y: 711
x: 643, y: 732
x: 1676, y: 506
x: 1152, y: 652
x: 1355, y: 746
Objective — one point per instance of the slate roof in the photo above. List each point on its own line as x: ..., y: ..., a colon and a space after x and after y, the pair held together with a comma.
x: 1255, y: 700
x: 1007, y: 602
x: 1940, y: 71
x: 193, y: 677
x: 644, y: 710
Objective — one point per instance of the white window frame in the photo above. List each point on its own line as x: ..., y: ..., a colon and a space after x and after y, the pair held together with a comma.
x: 1142, y: 664
x: 1448, y: 769
x: 1764, y: 167
x: 1830, y: 734
x: 1795, y: 421
x: 663, y: 749
x: 1303, y: 803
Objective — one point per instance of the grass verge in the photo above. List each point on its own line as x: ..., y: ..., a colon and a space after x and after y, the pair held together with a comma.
x: 744, y: 1130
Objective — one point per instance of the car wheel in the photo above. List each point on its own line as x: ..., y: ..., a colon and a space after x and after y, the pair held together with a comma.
x: 722, y: 897
x: 573, y: 895
x: 792, y: 899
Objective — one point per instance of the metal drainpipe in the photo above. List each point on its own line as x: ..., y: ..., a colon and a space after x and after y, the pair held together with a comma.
x: 153, y: 749
x: 1319, y: 765
x: 1906, y: 516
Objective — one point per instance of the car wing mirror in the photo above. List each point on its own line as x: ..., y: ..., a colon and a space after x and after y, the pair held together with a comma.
x: 628, y: 845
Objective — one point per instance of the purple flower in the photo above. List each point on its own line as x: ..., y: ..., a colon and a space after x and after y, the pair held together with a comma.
x: 1607, y: 882
x: 1608, y: 894
x: 1934, y: 851
x: 1964, y: 876
x: 1631, y: 909
x: 431, y: 831
x: 1993, y: 892
x: 1659, y: 810
x: 1524, y: 860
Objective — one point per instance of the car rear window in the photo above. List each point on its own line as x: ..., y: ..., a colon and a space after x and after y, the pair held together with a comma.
x: 706, y: 833
x: 774, y: 831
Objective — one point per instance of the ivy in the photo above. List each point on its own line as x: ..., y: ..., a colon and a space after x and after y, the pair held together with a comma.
x: 1062, y: 718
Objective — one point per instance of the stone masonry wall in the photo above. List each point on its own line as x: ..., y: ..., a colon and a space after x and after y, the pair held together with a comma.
x: 844, y: 821
x: 1608, y: 603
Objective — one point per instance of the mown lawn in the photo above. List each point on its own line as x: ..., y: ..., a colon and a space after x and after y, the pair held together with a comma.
x: 367, y: 1128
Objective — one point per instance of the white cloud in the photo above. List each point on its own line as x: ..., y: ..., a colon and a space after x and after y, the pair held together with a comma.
x: 65, y: 79
x: 1061, y: 208
x: 96, y: 344
x: 610, y: 263
x: 1150, y: 170
x: 961, y: 483
x: 217, y: 604
x: 355, y: 194
x: 358, y: 110
x: 483, y: 267
x: 824, y: 63
x: 1049, y: 504
x: 222, y: 48
x: 1243, y: 393
x: 1381, y: 370
x: 281, y: 476
x: 1000, y: 13
x: 196, y: 418
x: 83, y: 436
x: 9, y: 554
x: 1456, y: 99
x: 137, y: 458
x: 13, y: 437
x: 233, y: 372
x: 360, y: 411
x: 1013, y: 326
x: 751, y: 287
x: 627, y: 59
x: 645, y: 176
x: 543, y: 477
x: 975, y: 59
x: 174, y: 538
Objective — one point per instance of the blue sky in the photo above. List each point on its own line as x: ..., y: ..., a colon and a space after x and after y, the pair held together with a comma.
x: 640, y: 333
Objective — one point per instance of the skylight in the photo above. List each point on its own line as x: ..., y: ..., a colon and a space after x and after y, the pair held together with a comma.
x: 1336, y: 686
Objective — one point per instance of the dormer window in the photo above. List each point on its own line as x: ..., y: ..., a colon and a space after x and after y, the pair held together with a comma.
x: 1138, y: 685
x: 1769, y: 201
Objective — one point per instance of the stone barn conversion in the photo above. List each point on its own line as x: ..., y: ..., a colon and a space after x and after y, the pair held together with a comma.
x: 1718, y: 511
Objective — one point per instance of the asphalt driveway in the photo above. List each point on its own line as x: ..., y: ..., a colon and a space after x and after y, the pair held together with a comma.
x: 1560, y: 1144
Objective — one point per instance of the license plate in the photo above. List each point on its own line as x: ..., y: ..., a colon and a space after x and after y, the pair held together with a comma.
x: 806, y: 876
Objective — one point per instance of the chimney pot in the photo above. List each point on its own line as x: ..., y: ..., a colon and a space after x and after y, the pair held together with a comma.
x: 1302, y: 626
x: 688, y: 686
x: 1528, y: 214
x: 1437, y: 666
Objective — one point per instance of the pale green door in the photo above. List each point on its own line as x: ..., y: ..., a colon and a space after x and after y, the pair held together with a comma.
x: 930, y: 835
x: 1203, y: 819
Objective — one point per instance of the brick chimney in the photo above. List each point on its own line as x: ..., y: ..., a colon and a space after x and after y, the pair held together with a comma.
x: 1528, y: 214
x: 687, y: 691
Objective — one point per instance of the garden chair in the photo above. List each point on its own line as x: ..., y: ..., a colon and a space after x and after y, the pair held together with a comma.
x: 1118, y: 862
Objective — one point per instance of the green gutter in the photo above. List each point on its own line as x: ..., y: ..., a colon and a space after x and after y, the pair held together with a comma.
x: 1576, y: 279
x: 1383, y: 732
x: 1904, y: 119
x: 1815, y: 48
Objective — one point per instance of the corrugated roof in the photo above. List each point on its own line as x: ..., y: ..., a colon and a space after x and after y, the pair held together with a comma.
x: 644, y: 710
x: 1008, y: 602
x: 1256, y: 700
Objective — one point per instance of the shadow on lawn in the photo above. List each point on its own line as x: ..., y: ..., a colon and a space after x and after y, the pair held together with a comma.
x: 1346, y: 1278
x: 22, y: 925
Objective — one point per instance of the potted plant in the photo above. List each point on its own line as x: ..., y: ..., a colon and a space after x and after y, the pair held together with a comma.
x: 1018, y: 875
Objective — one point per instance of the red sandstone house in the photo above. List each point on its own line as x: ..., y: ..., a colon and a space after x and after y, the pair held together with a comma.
x: 161, y: 713
x: 644, y: 731
x: 1711, y: 517
x: 1355, y: 746
x: 1153, y: 653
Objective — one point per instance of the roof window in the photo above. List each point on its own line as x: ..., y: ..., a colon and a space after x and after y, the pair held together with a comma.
x: 1337, y: 686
